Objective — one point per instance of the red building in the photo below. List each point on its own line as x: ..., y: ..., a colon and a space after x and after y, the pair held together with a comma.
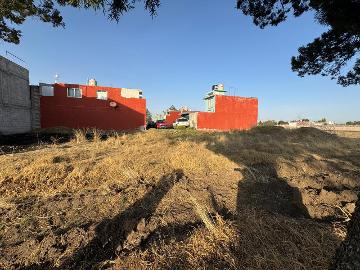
x: 225, y: 112
x: 231, y: 113
x: 172, y: 116
x: 91, y: 106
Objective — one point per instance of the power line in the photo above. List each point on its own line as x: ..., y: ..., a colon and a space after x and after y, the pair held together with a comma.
x: 13, y: 55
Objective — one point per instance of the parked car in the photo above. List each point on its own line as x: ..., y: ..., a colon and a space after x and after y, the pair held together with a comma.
x: 150, y: 124
x: 161, y: 124
x: 181, y: 122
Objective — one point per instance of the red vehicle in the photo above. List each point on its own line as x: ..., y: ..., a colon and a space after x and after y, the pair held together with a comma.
x: 161, y: 124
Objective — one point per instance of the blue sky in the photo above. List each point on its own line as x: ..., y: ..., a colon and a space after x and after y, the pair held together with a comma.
x: 177, y: 56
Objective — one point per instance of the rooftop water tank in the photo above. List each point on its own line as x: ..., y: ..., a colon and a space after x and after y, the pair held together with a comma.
x: 92, y: 82
x: 219, y: 87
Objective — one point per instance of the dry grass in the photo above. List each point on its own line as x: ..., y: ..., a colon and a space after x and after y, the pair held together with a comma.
x: 348, y: 134
x: 232, y: 210
x: 97, y: 134
x: 255, y: 240
x: 79, y: 136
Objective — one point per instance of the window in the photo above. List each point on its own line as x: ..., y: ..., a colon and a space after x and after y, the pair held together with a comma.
x: 74, y: 93
x: 185, y: 116
x: 47, y: 91
x: 101, y: 94
x: 210, y: 104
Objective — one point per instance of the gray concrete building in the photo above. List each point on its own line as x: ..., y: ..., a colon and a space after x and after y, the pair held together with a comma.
x: 19, y: 106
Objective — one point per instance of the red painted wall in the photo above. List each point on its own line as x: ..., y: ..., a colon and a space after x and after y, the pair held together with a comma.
x: 89, y: 112
x: 230, y: 113
x: 172, y: 116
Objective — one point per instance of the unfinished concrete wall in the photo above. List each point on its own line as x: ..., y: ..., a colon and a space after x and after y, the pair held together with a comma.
x: 35, y: 107
x: 193, y: 120
x: 15, y: 103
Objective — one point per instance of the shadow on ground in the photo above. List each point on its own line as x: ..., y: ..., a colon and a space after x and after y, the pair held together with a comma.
x: 112, y: 235
x: 261, y: 189
x: 322, y: 169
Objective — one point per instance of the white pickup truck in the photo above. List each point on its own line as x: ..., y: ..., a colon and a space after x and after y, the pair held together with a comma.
x: 181, y: 122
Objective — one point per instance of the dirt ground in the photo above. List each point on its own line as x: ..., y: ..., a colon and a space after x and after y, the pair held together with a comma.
x: 267, y: 198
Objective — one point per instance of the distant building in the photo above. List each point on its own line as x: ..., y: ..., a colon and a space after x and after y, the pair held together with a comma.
x: 225, y: 112
x: 221, y: 112
x: 173, y: 114
x: 91, y: 106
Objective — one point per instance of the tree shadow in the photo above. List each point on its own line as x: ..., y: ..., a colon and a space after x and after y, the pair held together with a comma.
x: 262, y: 188
x: 330, y: 163
x: 111, y: 235
x: 172, y: 232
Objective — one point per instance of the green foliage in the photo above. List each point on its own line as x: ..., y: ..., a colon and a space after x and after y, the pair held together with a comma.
x: 281, y: 122
x: 334, y: 50
x: 181, y: 127
x: 353, y: 123
x: 148, y: 116
x: 268, y: 123
x: 15, y: 12
x: 323, y: 120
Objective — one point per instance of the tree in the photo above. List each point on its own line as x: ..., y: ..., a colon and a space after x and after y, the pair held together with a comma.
x: 148, y: 116
x: 281, y: 122
x: 353, y: 123
x: 15, y: 12
x: 328, y: 54
x: 268, y: 123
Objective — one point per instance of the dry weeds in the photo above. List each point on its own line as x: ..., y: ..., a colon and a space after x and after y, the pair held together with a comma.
x: 247, y: 200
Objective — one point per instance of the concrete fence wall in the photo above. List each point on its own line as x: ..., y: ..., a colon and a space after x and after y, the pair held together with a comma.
x: 15, y: 99
x: 35, y: 107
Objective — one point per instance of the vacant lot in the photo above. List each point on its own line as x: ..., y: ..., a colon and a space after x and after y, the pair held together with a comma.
x: 268, y: 198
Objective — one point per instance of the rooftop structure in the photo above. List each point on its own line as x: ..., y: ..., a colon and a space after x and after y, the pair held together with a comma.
x: 217, y: 90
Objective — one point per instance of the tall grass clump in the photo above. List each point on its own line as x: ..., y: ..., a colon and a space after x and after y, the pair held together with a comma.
x: 79, y: 136
x: 97, y: 134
